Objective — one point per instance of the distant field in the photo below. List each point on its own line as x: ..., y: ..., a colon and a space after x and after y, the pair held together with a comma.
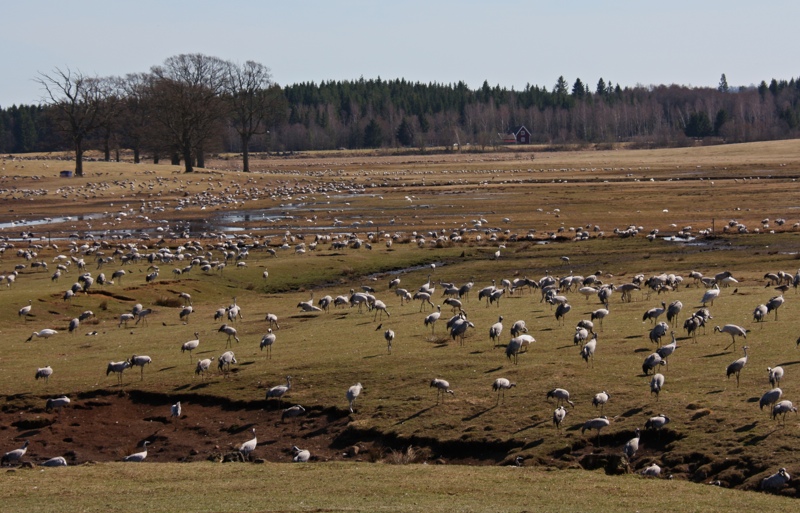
x: 494, y: 204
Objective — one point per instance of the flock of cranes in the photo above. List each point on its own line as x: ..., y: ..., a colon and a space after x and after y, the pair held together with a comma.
x: 554, y: 292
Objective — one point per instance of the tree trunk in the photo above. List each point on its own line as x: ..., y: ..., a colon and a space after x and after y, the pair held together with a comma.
x: 187, y: 158
x: 245, y: 153
x: 201, y: 158
x: 156, y: 157
x: 176, y: 159
x: 107, y: 147
x: 136, y: 156
x: 79, y: 157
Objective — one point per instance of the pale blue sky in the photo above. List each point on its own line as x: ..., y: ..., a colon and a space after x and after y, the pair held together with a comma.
x: 509, y: 42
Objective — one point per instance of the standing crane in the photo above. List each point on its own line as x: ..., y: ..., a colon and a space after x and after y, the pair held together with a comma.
x: 442, y: 388
x: 267, y: 341
x: 737, y: 366
x: 732, y: 330
x: 352, y: 394
x: 500, y: 385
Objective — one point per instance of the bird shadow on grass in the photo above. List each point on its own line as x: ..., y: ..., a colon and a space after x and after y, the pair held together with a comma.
x: 746, y: 427
x: 758, y: 439
x: 566, y: 347
x: 475, y: 416
x: 415, y: 415
x: 714, y: 392
x: 243, y: 364
x: 29, y: 434
x: 180, y: 388
x: 789, y: 363
x: 372, y: 356
x: 200, y: 386
x: 631, y: 412
x: 532, y: 426
x: 493, y: 370
x: 167, y: 368
x: 752, y: 399
x: 713, y: 355
x: 643, y: 350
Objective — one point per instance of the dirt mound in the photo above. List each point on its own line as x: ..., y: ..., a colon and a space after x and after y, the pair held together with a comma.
x: 107, y: 425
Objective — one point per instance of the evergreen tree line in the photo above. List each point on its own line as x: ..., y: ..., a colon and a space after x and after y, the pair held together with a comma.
x: 380, y: 113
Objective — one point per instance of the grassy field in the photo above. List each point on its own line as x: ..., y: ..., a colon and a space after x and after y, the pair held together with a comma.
x: 358, y: 487
x: 717, y: 431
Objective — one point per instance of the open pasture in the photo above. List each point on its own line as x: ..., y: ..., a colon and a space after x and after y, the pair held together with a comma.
x: 717, y: 432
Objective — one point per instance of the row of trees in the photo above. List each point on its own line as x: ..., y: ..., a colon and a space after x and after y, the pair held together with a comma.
x: 194, y: 104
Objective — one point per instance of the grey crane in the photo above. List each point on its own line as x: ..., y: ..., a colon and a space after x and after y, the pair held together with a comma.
x: 45, y: 333
x: 658, y: 331
x: 300, y: 455
x: 138, y: 456
x: 513, y: 348
x: 673, y: 310
x: 782, y: 408
x: 654, y: 313
x: 247, y: 448
x: 185, y: 312
x: 710, y: 295
x: 561, y: 311
x: 272, y: 319
x: 667, y: 350
x: 760, y: 313
x: 597, y: 423
x: 588, y: 349
x: 25, y: 311
x: 16, y: 455
x: 124, y: 318
x: 770, y: 397
x: 600, y: 313
x: 388, y: 335
x: 280, y: 390
x: 187, y: 298
x: 430, y: 319
x: 500, y: 386
x: 44, y: 373
x: 140, y: 361
x: 561, y: 395
x: 775, y: 375
x: 657, y: 423
x: 142, y: 316
x: 191, y: 345
x: 292, y: 411
x: 73, y: 325
x: 775, y: 303
x: 558, y: 416
x: 734, y: 331
x: 652, y: 470
x: 231, y: 332
x: 632, y: 446
x: 57, y: 403
x: 225, y: 361
x: 118, y: 368
x: 58, y: 461
x: 442, y: 388
x: 652, y: 360
x: 776, y: 481
x: 459, y: 330
x: 656, y: 384
x: 267, y: 341
x: 379, y: 307
x: 600, y: 399
x: 737, y: 366
x: 518, y: 328
x: 176, y: 410
x: 202, y: 366
x: 352, y: 394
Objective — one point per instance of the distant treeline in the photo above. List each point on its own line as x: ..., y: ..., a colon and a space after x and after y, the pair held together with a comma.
x: 397, y: 113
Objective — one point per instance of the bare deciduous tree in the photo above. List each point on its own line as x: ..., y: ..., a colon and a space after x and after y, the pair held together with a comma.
x: 188, y: 103
x: 255, y: 103
x: 81, y: 104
